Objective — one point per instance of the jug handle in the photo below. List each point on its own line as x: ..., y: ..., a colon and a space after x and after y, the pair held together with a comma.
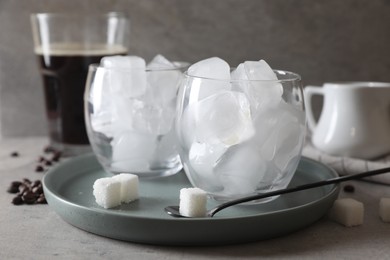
x: 309, y: 92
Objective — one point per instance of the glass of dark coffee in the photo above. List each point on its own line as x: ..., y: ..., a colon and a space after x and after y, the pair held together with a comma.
x: 65, y: 45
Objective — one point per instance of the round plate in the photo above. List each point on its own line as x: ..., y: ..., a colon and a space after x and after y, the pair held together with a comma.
x: 68, y: 189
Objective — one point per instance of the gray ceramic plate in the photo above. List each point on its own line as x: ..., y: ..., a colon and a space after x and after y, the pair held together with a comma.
x: 68, y: 189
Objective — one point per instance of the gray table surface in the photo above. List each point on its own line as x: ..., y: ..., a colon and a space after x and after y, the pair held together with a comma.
x: 37, y: 232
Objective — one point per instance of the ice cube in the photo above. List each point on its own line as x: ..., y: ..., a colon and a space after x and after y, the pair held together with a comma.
x: 126, y: 75
x: 123, y: 62
x: 160, y: 62
x: 163, y: 86
x: 224, y: 117
x: 206, y: 71
x: 203, y: 157
x: 280, y: 131
x: 240, y: 169
x: 132, y: 151
x: 259, y: 82
x: 166, y: 152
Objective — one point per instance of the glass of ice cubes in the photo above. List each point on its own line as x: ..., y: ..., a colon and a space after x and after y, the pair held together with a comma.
x: 239, y: 135
x: 130, y: 111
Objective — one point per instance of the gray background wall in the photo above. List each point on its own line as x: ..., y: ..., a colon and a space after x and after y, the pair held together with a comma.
x: 323, y: 41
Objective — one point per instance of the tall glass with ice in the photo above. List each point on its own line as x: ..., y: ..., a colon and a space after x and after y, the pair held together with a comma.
x: 130, y: 111
x: 241, y: 131
x: 65, y: 45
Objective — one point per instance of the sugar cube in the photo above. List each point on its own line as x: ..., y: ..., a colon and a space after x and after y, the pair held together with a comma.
x: 129, y: 186
x: 110, y: 192
x: 348, y: 212
x: 107, y: 192
x: 384, y: 209
x: 193, y: 202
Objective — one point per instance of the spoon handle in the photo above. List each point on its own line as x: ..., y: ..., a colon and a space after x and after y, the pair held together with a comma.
x: 298, y: 188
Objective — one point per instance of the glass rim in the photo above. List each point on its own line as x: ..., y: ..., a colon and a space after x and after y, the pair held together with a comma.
x: 179, y: 66
x: 294, y: 77
x: 81, y: 15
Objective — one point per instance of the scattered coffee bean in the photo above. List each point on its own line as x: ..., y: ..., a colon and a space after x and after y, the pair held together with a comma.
x: 41, y: 159
x: 14, y: 154
x: 26, y: 181
x: 42, y: 199
x: 48, y: 163
x: 56, y: 157
x: 36, y: 183
x: 28, y: 192
x: 349, y: 188
x: 49, y: 149
x: 17, y: 200
x: 29, y: 197
x: 13, y: 189
x: 39, y: 168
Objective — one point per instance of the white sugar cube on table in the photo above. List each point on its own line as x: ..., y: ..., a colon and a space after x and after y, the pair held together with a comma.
x: 110, y: 192
x: 348, y: 212
x: 193, y: 202
x: 212, y: 68
x: 384, y: 209
x: 107, y: 192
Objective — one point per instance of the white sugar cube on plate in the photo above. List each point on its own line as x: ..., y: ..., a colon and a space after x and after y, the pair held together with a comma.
x: 193, y: 202
x: 129, y: 186
x: 107, y: 192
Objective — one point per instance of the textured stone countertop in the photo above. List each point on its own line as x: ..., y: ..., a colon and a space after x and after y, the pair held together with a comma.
x: 37, y: 232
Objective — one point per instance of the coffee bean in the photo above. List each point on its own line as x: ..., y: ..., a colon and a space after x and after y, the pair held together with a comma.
x: 14, y: 154
x: 56, y: 157
x: 13, y: 189
x: 26, y: 181
x: 42, y: 199
x: 48, y: 163
x: 29, y: 197
x: 41, y: 159
x: 39, y: 168
x: 17, y: 200
x: 36, y: 183
x: 349, y: 188
x: 37, y: 190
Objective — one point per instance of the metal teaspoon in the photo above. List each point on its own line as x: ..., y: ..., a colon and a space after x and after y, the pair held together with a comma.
x: 175, y: 212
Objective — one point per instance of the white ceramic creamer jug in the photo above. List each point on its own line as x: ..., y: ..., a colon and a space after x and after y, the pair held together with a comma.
x: 355, y: 119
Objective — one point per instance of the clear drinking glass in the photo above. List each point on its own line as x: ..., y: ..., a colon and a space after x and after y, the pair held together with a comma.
x: 65, y: 45
x: 240, y: 137
x: 130, y: 116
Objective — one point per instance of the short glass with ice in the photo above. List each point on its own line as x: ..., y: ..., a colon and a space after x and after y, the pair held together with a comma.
x: 241, y: 131
x: 130, y: 115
